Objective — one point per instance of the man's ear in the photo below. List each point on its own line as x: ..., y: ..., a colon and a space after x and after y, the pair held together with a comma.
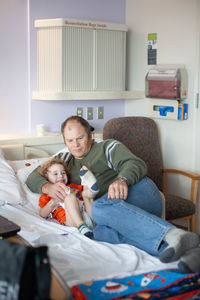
x: 90, y: 135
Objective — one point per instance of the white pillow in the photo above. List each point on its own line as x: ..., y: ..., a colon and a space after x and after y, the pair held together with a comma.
x: 1, y: 153
x: 32, y: 198
x: 11, y: 191
x: 24, y: 167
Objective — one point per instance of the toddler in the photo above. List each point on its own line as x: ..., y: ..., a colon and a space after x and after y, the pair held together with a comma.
x: 55, y: 170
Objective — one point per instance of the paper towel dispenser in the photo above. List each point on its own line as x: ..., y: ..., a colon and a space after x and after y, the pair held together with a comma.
x: 166, y: 81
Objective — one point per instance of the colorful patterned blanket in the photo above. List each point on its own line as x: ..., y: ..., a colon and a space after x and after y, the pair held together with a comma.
x: 164, y: 284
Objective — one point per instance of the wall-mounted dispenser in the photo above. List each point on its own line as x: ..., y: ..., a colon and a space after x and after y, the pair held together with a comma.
x: 167, y: 82
x: 168, y: 109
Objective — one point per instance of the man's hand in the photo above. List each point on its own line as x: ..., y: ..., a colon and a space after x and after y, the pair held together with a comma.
x: 55, y: 190
x: 118, y: 190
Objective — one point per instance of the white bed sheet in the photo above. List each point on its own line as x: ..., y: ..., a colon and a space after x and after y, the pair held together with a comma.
x: 77, y: 258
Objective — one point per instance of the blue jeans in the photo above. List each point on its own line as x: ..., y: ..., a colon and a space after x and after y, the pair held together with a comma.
x: 135, y: 221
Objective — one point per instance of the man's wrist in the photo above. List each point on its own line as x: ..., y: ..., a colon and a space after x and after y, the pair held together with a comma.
x: 124, y: 179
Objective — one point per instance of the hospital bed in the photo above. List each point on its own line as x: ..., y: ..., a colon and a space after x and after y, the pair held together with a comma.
x: 92, y: 270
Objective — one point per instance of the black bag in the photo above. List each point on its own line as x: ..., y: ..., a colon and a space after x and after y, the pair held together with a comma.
x: 25, y: 272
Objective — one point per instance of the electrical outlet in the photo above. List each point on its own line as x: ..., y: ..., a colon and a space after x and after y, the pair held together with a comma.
x: 79, y: 111
x: 89, y: 113
x: 100, y: 112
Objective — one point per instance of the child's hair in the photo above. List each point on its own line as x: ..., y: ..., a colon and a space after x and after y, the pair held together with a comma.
x: 46, y: 165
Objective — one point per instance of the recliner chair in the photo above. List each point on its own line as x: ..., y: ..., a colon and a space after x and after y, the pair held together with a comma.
x: 140, y: 135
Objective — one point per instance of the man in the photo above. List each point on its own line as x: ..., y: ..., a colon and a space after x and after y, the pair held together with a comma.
x: 128, y: 207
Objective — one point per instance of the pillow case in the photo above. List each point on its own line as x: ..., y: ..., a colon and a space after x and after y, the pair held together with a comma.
x: 24, y: 167
x: 13, y: 175
x: 1, y: 153
x: 11, y: 191
x: 21, y: 169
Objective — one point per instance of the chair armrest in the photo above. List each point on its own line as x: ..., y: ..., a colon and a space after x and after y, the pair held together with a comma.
x: 194, y: 184
x: 185, y: 173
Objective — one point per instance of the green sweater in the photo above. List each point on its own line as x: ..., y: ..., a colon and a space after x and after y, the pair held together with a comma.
x: 107, y: 160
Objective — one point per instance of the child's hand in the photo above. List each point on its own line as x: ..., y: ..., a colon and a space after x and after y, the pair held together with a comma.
x: 68, y: 190
x: 53, y: 203
x: 71, y: 191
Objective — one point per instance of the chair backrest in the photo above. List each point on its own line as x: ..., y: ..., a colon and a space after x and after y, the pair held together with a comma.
x: 140, y: 135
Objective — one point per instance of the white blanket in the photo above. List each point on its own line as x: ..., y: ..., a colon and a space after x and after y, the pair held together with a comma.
x: 77, y: 258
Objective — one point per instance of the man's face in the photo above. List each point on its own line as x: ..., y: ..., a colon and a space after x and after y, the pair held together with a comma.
x: 77, y: 139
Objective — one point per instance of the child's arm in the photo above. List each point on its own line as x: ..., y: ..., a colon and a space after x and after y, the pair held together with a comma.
x: 48, y: 208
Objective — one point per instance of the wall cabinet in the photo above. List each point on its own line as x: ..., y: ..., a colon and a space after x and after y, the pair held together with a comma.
x: 80, y: 60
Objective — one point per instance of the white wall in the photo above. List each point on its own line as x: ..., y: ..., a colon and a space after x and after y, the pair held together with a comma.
x: 18, y: 63
x: 58, y: 111
x: 14, y: 81
x: 176, y: 25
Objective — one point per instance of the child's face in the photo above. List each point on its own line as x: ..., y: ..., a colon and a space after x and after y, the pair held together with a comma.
x: 56, y: 173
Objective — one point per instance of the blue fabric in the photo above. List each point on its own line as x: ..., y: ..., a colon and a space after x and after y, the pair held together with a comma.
x: 164, y: 284
x: 135, y: 221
